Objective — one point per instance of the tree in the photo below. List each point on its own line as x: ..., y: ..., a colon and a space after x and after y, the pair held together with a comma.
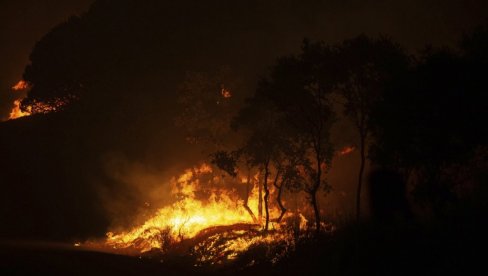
x: 207, y: 107
x: 228, y: 162
x: 288, y: 176
x: 300, y: 88
x: 366, y: 67
x: 269, y: 147
x: 426, y: 124
x: 58, y: 73
x: 265, y: 129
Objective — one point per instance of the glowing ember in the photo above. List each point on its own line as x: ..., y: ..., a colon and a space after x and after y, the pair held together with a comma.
x: 17, y: 112
x: 347, y: 150
x: 21, y: 85
x: 220, y: 248
x: 37, y: 107
x: 225, y: 93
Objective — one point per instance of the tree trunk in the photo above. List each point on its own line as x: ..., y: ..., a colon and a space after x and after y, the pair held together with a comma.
x: 266, y: 195
x: 260, y: 201
x: 246, y: 199
x: 360, y: 177
x: 313, y: 193
x: 296, y: 221
x: 316, y: 210
x: 278, y: 197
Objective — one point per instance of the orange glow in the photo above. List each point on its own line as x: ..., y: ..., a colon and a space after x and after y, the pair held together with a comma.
x: 37, y: 107
x: 21, y: 85
x: 202, y: 220
x: 225, y: 92
x: 17, y: 112
x: 347, y: 150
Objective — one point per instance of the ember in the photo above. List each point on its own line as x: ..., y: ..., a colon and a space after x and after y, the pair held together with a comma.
x: 347, y: 150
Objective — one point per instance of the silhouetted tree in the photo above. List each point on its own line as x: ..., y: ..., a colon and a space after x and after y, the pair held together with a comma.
x: 265, y: 129
x: 58, y: 72
x: 387, y: 193
x: 427, y: 122
x: 207, y: 106
x: 300, y: 90
x: 288, y: 176
x: 366, y: 65
x: 229, y: 163
x: 226, y: 161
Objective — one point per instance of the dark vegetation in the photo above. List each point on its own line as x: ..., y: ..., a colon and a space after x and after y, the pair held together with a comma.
x: 127, y: 84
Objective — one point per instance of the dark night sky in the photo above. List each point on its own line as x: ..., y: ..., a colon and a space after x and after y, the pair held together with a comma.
x: 413, y: 23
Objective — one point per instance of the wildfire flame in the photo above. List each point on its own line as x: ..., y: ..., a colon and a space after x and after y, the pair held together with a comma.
x: 36, y: 107
x: 347, y: 150
x: 187, y: 216
x: 17, y: 112
x: 202, y: 220
x: 21, y: 85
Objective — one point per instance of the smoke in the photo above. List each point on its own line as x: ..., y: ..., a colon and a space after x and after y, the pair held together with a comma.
x: 134, y: 190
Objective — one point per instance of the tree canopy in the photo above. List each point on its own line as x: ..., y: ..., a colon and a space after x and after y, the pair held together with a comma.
x: 428, y: 121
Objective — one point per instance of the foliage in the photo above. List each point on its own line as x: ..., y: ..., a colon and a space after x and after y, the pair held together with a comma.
x: 299, y: 92
x: 366, y: 68
x: 428, y: 120
x: 207, y: 105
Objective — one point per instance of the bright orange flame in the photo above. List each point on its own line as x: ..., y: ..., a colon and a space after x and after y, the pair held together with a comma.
x: 347, y: 150
x: 192, y: 216
x: 21, y: 85
x: 17, y: 112
x: 37, y: 107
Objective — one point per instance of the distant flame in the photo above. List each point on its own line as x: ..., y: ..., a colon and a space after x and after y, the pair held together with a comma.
x: 347, y: 150
x: 37, y: 107
x: 17, y: 112
x: 21, y: 85
x: 225, y: 92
